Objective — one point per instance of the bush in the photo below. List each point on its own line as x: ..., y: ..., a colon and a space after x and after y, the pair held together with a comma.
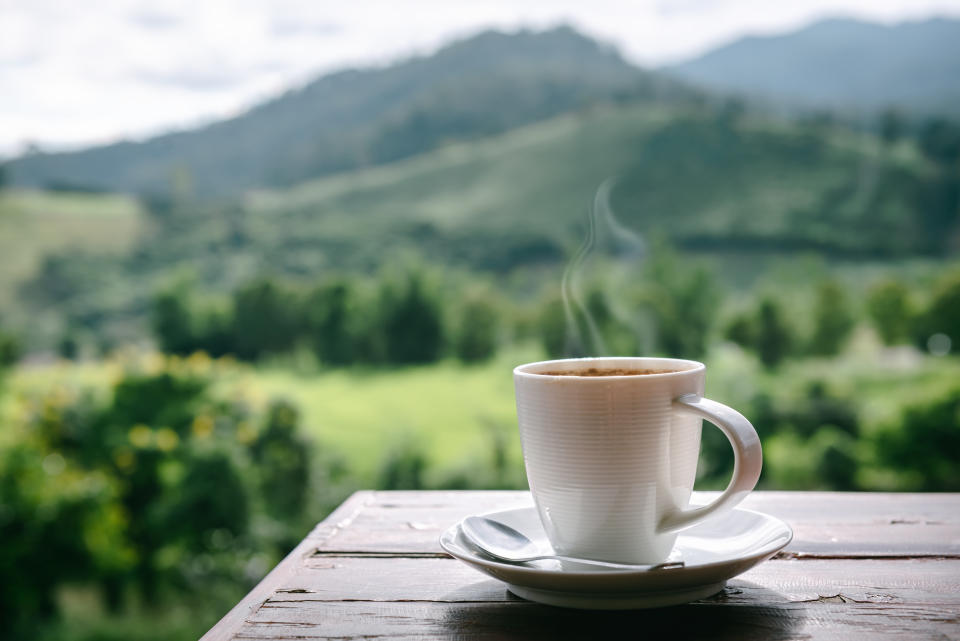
x: 330, y: 317
x: 404, y: 467
x: 943, y: 314
x: 923, y: 447
x: 265, y: 319
x: 552, y: 328
x: 411, y: 321
x: 763, y: 330
x: 9, y: 349
x: 283, y: 459
x: 832, y: 319
x: 478, y: 321
x: 888, y: 304
x: 152, y: 491
x: 683, y: 299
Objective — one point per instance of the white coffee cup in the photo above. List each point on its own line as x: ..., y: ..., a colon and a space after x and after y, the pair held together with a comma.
x: 611, y: 459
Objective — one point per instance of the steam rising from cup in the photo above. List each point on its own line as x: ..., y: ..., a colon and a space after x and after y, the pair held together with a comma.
x: 605, y: 237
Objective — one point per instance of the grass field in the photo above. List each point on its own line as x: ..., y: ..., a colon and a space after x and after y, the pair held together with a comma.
x: 34, y: 224
x: 449, y: 410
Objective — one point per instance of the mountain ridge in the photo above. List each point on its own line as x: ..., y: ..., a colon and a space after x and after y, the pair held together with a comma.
x: 482, y: 85
x: 841, y: 64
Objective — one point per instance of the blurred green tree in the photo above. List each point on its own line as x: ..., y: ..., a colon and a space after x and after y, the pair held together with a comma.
x: 403, y: 467
x: 888, y: 305
x: 682, y: 298
x: 774, y: 339
x: 552, y: 328
x: 282, y: 459
x: 58, y: 524
x: 939, y: 139
x: 10, y: 349
x: 763, y: 330
x: 923, y: 448
x: 477, y: 328
x: 833, y: 319
x: 330, y: 316
x: 173, y: 317
x: 265, y: 319
x: 942, y: 316
x: 411, y: 320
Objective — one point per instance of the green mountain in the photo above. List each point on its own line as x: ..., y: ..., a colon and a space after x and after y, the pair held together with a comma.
x: 842, y: 64
x: 706, y: 181
x: 470, y: 89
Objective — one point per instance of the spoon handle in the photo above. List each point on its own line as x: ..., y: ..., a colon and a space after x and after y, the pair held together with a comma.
x: 618, y: 566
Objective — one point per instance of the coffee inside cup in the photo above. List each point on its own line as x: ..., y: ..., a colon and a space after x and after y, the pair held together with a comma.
x: 606, y: 371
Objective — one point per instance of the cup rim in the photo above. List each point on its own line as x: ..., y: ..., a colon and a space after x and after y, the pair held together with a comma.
x: 689, y: 367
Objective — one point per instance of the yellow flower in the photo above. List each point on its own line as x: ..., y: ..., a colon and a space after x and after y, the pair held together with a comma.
x: 199, y: 362
x: 167, y: 439
x: 140, y: 436
x: 202, y: 426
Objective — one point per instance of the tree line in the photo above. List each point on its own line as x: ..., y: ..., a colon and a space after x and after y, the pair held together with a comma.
x: 676, y: 308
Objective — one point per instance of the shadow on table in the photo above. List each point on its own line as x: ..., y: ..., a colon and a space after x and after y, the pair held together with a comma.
x: 742, y: 611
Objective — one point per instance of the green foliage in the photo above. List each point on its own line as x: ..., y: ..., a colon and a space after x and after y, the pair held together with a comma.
x: 411, y: 321
x: 939, y: 139
x: 923, y: 448
x: 283, y: 458
x: 332, y: 325
x: 764, y: 330
x: 683, y: 299
x: 145, y: 493
x: 942, y: 315
x: 833, y: 320
x: 827, y: 460
x: 552, y: 328
x: 403, y: 467
x: 774, y: 339
x: 477, y: 329
x: 10, y: 349
x: 265, y: 319
x: 888, y: 304
x: 173, y: 322
x: 58, y: 523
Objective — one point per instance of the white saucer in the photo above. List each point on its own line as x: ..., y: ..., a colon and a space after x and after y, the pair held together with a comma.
x: 713, y: 551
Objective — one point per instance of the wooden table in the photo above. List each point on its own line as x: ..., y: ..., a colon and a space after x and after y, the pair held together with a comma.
x: 866, y: 566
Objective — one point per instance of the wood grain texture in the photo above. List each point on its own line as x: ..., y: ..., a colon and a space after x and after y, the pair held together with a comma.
x: 522, y: 620
x: 825, y: 524
x: 869, y: 566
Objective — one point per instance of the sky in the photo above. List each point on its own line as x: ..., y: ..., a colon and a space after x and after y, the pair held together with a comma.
x: 74, y: 74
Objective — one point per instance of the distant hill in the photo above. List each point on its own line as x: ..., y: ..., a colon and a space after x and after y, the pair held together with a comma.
x: 484, y: 85
x: 842, y: 64
x: 705, y: 181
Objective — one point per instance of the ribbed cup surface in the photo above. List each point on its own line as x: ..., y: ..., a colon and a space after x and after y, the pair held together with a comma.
x: 607, y: 457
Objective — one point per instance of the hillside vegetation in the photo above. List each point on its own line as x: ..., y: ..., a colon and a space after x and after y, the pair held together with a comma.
x: 521, y: 199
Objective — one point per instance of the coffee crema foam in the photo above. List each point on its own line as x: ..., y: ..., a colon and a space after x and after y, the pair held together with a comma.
x: 607, y: 371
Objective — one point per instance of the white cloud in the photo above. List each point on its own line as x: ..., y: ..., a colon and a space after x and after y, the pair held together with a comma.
x: 83, y: 73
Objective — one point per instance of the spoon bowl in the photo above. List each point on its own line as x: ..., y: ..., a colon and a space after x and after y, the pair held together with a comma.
x: 502, y: 542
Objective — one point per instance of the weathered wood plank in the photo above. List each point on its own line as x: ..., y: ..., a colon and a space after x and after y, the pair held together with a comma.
x: 293, y: 563
x: 825, y: 524
x: 399, y: 585
x: 522, y: 620
x: 901, y: 581
x: 802, y: 506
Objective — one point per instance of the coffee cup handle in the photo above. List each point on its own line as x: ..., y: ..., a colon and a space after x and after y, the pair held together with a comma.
x: 747, y: 459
